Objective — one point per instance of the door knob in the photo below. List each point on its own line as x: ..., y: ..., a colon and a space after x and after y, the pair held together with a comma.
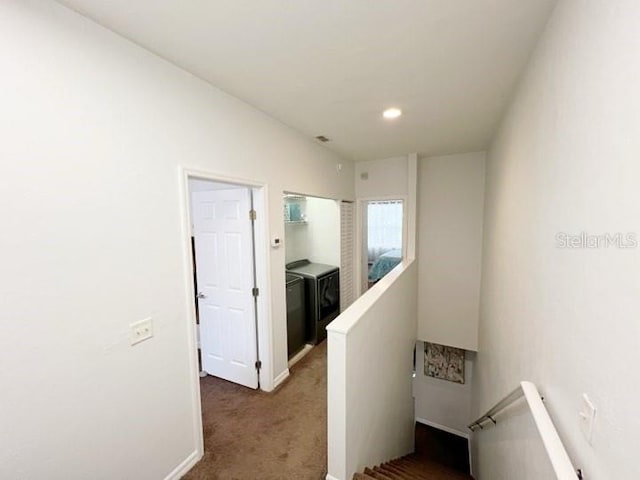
x: 201, y: 295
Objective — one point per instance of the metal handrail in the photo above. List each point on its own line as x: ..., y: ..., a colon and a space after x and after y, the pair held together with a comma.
x: 558, y: 456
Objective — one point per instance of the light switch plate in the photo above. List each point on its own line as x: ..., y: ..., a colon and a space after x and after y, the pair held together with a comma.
x: 587, y: 417
x: 142, y: 330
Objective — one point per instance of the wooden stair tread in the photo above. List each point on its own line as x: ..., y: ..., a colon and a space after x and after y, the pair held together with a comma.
x: 389, y: 474
x: 377, y: 474
x: 438, y: 456
x: 407, y: 470
x: 424, y: 464
x: 411, y: 467
x: 362, y: 476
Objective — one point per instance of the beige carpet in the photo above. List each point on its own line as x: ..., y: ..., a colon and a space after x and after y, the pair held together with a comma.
x: 269, y: 436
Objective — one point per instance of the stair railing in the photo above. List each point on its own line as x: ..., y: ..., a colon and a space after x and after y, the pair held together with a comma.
x: 558, y: 456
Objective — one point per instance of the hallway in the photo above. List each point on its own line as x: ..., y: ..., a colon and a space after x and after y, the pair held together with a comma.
x: 252, y: 434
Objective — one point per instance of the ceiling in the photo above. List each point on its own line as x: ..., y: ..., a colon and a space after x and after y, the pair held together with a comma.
x: 329, y: 67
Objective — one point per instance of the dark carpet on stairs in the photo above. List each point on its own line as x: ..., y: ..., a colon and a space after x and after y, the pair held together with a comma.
x: 280, y: 435
x: 439, y: 456
x: 442, y: 447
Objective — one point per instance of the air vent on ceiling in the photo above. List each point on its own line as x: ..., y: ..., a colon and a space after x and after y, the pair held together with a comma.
x: 322, y: 138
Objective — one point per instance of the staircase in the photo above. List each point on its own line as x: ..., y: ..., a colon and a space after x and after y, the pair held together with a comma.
x: 411, y: 467
x: 438, y: 456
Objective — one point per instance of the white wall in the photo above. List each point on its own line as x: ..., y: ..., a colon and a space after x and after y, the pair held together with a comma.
x: 94, y: 131
x: 450, y: 206
x: 296, y: 241
x: 566, y: 160
x: 324, y: 230
x: 370, y: 360
x: 319, y: 238
x: 442, y: 404
x: 512, y: 445
x: 385, y: 177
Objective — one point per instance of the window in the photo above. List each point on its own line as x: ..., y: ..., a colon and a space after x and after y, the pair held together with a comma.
x: 384, y: 227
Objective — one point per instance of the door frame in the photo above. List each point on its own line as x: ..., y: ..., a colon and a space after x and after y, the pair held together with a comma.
x: 264, y: 322
x: 361, y: 235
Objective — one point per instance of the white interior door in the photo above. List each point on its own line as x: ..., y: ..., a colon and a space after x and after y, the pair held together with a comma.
x: 225, y: 277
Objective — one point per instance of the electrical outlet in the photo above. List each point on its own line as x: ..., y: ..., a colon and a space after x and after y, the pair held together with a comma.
x: 142, y: 330
x: 587, y: 417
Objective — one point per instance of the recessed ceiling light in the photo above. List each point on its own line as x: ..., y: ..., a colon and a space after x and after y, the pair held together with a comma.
x: 391, y: 113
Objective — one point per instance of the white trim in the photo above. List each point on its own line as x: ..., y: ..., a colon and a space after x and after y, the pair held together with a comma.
x: 331, y: 477
x: 217, y: 177
x: 280, y: 378
x: 411, y: 206
x: 192, y: 334
x: 263, y: 304
x: 186, y: 465
x: 443, y: 428
x: 350, y: 317
x: 348, y: 240
x: 360, y: 236
x: 552, y: 442
x: 300, y: 355
x: 263, y: 269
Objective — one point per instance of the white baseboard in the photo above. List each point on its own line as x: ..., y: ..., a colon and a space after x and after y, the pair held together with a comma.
x: 443, y: 428
x: 300, y: 355
x: 330, y: 477
x: 185, y: 466
x: 280, y: 378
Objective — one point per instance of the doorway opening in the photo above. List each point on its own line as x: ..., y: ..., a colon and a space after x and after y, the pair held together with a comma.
x: 383, y: 238
x: 313, y: 269
x: 229, y: 279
